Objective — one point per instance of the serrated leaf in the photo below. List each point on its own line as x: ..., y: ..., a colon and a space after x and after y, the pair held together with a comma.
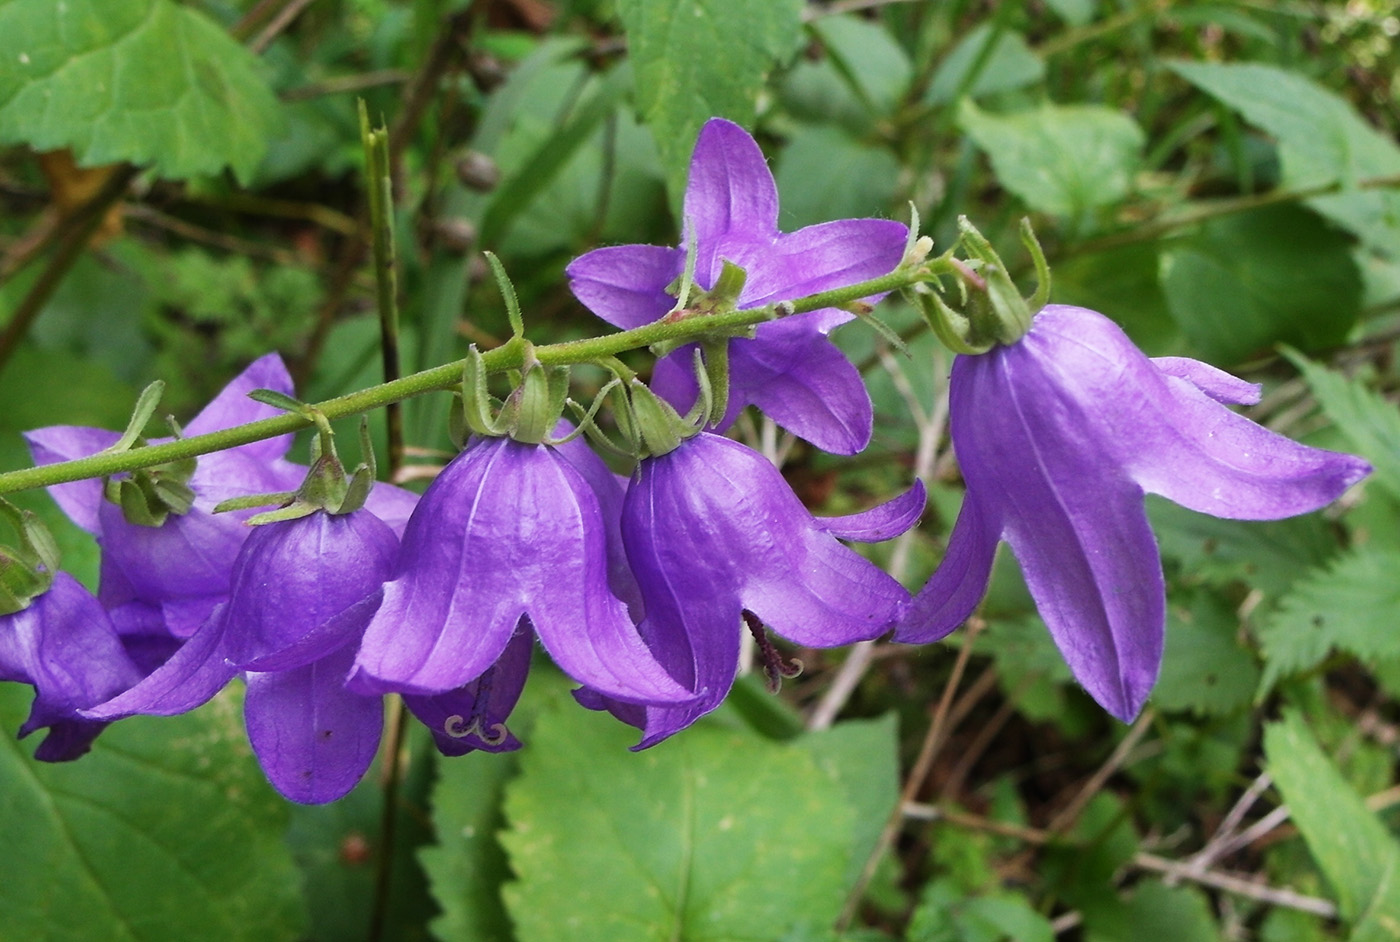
x: 1059, y: 159
x: 165, y: 831
x: 1242, y: 283
x: 142, y: 81
x: 1352, y: 606
x: 1356, y: 852
x: 1204, y: 668
x: 1370, y: 423
x: 714, y: 835
x: 696, y: 59
x: 1321, y: 140
x: 825, y: 173
x: 1270, y: 555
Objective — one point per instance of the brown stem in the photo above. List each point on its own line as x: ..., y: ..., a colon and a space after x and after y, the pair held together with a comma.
x: 83, y: 223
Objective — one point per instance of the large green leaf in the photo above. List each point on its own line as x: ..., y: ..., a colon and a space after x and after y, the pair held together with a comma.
x: 144, y: 81
x: 166, y: 831
x: 1352, y: 606
x: 1321, y: 140
x: 694, y: 59
x: 1241, y: 283
x: 1356, y: 852
x: 1009, y: 64
x: 714, y: 835
x: 1059, y: 159
x: 1204, y: 667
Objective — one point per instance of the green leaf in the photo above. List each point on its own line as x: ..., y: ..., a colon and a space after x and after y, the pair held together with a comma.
x: 1122, y: 283
x: 1242, y: 283
x: 1321, y: 140
x: 468, y: 865
x: 1074, y: 12
x: 875, y: 66
x: 1270, y: 555
x: 863, y: 757
x: 1010, y: 64
x: 825, y: 173
x: 1356, y: 852
x: 945, y: 914
x: 1059, y: 159
x: 166, y: 831
x: 1155, y: 911
x: 713, y: 835
x: 144, y: 81
x: 695, y: 59
x: 1204, y: 669
x: 1370, y: 423
x: 1352, y: 606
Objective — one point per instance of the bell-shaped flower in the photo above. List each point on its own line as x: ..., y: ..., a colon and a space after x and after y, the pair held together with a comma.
x: 165, y: 580
x: 510, y: 535
x: 302, y: 592
x: 717, y: 540
x: 789, y: 369
x: 1059, y: 436
x: 64, y: 645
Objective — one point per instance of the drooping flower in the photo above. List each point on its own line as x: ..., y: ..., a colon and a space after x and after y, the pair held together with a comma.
x: 789, y: 369
x: 301, y: 594
x: 509, y: 535
x: 717, y: 540
x: 1059, y: 436
x: 64, y: 645
x: 160, y: 583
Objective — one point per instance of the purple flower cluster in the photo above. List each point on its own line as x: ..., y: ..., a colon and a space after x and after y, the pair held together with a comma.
x: 641, y: 589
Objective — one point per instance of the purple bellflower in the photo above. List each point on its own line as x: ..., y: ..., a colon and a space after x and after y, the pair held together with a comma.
x: 716, y: 539
x: 64, y: 645
x: 1059, y: 435
x: 509, y: 538
x: 789, y: 369
x: 161, y: 583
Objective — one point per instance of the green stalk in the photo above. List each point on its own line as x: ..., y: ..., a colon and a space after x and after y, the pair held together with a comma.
x: 509, y: 356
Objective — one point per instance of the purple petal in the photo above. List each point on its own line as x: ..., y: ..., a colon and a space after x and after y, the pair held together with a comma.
x: 189, y: 679
x: 776, y: 561
x: 1073, y: 518
x: 830, y: 255
x: 804, y: 384
x: 882, y: 522
x: 958, y: 584
x: 1215, y: 383
x: 293, y: 577
x: 791, y: 372
x: 233, y: 407
x: 474, y: 717
x: 730, y: 190
x: 1168, y: 434
x: 66, y: 648
x: 507, y: 530
x: 78, y: 499
x: 313, y: 738
x: 394, y: 505
x: 191, y: 555
x: 626, y: 285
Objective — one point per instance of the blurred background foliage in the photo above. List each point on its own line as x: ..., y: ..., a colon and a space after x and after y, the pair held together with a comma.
x: 182, y: 191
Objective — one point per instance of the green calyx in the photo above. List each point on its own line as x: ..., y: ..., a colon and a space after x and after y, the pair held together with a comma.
x: 148, y: 497
x: 529, y: 414
x: 26, y: 570
x: 657, y: 428
x: 989, y: 310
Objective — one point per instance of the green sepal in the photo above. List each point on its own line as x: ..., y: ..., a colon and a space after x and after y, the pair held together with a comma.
x: 293, y: 511
x: 476, y: 399
x: 715, y: 370
x: 536, y: 405
x: 254, y: 500
x: 724, y: 296
x: 503, y: 282
x: 952, y: 329
x: 1042, y: 268
x: 149, y: 496
x: 26, y: 570
x: 145, y: 408
x: 1006, y: 314
x: 271, y: 397
x: 886, y: 332
x: 659, y: 427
